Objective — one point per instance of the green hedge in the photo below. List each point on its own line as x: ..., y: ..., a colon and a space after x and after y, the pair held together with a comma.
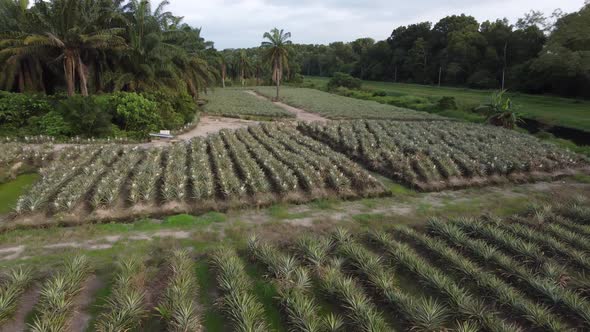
x: 119, y: 114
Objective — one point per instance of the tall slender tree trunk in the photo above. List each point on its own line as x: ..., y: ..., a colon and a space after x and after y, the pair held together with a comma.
x: 277, y: 75
x: 439, y: 75
x: 504, y: 66
x: 223, y: 74
x: 82, y: 75
x: 69, y: 71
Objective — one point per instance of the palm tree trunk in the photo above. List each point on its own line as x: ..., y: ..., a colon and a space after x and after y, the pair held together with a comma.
x: 69, y: 71
x: 277, y: 71
x: 21, y: 79
x: 82, y: 75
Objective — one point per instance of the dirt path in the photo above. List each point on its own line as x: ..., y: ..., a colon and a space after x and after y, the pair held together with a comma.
x: 300, y: 114
x: 212, y: 124
x: 415, y: 207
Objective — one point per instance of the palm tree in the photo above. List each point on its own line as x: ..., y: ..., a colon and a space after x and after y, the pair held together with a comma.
x: 21, y: 68
x: 65, y: 29
x: 277, y: 52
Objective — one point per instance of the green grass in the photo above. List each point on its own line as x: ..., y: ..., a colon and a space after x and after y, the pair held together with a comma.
x: 212, y: 318
x: 11, y: 191
x: 267, y: 295
x: 573, y: 113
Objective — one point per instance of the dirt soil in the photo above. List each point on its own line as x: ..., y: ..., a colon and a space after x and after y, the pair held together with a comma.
x: 80, y: 318
x: 300, y: 115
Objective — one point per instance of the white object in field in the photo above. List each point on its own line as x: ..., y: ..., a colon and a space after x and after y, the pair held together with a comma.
x: 165, y: 132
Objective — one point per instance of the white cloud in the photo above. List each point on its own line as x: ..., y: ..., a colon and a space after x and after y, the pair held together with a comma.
x: 241, y: 23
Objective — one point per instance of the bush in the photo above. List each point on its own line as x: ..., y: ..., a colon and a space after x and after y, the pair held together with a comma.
x: 174, y: 110
x: 16, y: 109
x: 86, y: 116
x: 135, y: 113
x: 344, y: 80
x: 296, y: 79
x: 379, y: 93
x: 54, y: 124
x: 447, y: 103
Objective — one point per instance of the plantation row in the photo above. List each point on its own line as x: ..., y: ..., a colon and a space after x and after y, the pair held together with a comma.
x: 238, y: 103
x: 128, y: 306
x: 527, y: 273
x: 430, y: 156
x: 257, y: 165
x: 16, y: 152
x: 338, y: 107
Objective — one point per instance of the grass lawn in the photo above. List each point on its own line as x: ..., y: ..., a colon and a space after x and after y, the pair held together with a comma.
x: 11, y: 191
x: 573, y: 113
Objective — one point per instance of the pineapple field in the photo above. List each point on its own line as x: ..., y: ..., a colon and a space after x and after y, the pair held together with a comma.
x: 343, y: 225
x: 433, y: 156
x: 525, y: 272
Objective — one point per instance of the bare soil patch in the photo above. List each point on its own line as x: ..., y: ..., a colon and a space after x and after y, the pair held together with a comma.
x: 300, y: 115
x: 212, y: 124
x: 80, y: 318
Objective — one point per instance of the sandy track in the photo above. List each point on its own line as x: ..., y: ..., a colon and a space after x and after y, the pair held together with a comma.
x: 300, y: 115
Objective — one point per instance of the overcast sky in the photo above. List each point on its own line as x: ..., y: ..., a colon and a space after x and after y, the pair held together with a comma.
x: 241, y: 23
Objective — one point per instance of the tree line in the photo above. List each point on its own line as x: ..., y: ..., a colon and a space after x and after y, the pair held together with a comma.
x: 537, y: 54
x: 94, y: 46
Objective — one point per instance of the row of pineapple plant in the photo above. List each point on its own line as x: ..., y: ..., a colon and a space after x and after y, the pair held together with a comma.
x: 238, y: 303
x: 125, y: 308
x: 175, y: 179
x: 538, y: 315
x: 74, y: 192
x: 360, y: 310
x: 460, y: 300
x: 294, y: 288
x: 13, y: 284
x: 111, y: 185
x: 423, y: 153
x: 56, y: 302
x: 514, y: 270
x: 178, y: 306
x: 143, y: 183
x: 53, y: 177
x: 200, y: 174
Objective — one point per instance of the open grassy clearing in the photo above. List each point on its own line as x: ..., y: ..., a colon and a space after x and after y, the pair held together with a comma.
x: 519, y: 272
x: 429, y: 156
x: 573, y: 113
x: 338, y: 107
x: 231, y: 102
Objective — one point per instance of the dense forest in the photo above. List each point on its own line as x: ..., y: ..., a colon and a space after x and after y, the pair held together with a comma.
x: 536, y: 54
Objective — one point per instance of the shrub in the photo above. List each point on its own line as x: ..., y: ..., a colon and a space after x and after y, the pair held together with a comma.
x: 17, y: 109
x: 86, y: 116
x: 54, y: 124
x: 447, y: 103
x: 175, y: 110
x: 135, y: 113
x: 344, y: 80
x: 379, y: 93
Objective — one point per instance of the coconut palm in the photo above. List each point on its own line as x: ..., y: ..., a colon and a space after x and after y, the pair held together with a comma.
x: 277, y: 51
